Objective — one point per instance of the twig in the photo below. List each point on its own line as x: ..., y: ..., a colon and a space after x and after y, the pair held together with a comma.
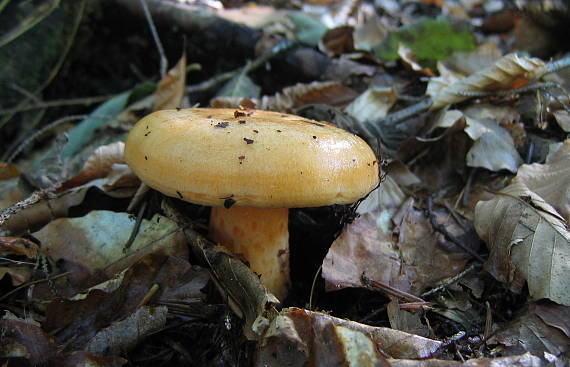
x: 49, y: 279
x: 57, y: 103
x: 46, y: 128
x: 136, y: 228
x: 448, y: 236
x: 451, y: 280
x: 501, y: 93
x: 148, y: 16
x: 388, y: 289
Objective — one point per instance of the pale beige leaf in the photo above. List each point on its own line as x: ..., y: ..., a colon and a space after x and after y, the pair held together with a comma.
x: 373, y: 104
x: 297, y: 336
x: 528, y: 242
x: 551, y: 180
x: 499, y: 76
x: 170, y: 90
x: 493, y: 149
x: 563, y: 119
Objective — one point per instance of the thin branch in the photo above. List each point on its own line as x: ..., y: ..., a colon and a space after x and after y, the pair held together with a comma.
x: 156, y: 38
x: 57, y: 103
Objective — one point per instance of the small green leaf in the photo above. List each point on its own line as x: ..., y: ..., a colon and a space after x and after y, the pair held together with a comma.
x: 430, y: 39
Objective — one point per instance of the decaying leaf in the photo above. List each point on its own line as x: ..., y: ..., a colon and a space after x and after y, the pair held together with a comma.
x: 528, y: 242
x: 21, y: 338
x: 79, y: 321
x: 103, y: 251
x: 543, y: 328
x: 493, y: 147
x: 524, y: 360
x: 170, y: 90
x: 551, y: 180
x: 373, y: 104
x: 365, y: 249
x: 125, y: 334
x: 107, y: 161
x: 297, y: 336
x: 240, y: 86
x: 499, y: 76
x: 295, y: 97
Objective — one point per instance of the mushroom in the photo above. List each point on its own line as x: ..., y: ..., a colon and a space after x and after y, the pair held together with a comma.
x: 250, y: 167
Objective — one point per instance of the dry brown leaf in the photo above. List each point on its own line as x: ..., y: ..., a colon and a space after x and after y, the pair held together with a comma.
x: 170, y: 90
x: 295, y: 97
x: 499, y: 76
x: 543, y: 328
x: 551, y: 180
x: 524, y: 360
x: 8, y: 171
x: 18, y: 246
x: 23, y: 338
x: 98, y: 165
x: 365, y: 248
x: 297, y: 336
x: 528, y: 242
x: 78, y: 321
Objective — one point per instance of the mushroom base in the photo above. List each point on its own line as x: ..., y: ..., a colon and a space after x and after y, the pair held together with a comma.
x: 261, y: 237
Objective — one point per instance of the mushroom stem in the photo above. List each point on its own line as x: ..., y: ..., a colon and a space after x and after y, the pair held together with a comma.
x: 261, y: 237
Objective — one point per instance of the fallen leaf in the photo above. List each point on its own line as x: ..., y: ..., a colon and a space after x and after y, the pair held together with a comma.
x: 79, y: 321
x: 8, y: 171
x: 409, y: 58
x: 542, y: 328
x: 338, y: 41
x: 295, y: 97
x: 373, y: 104
x: 123, y: 335
x: 170, y: 90
x: 297, y: 336
x: 551, y: 180
x: 528, y: 242
x: 103, y: 236
x: 524, y: 360
x: 499, y: 76
x: 493, y: 147
x: 82, y: 358
x: 364, y: 249
x: 240, y: 86
x: 23, y: 339
x: 430, y: 39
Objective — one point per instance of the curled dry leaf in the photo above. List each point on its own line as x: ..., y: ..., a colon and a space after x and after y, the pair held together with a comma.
x: 551, y: 180
x: 100, y: 164
x: 295, y: 97
x: 501, y: 75
x: 528, y: 242
x: 170, y: 89
x: 21, y: 338
x: 297, y: 336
